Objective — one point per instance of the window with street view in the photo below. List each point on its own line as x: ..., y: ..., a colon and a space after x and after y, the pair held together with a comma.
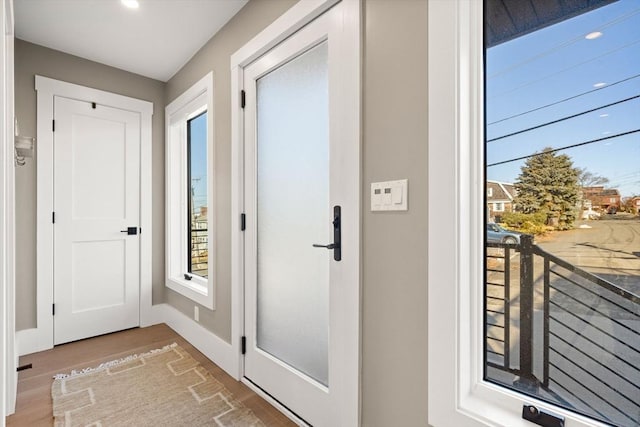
x: 562, y: 204
x: 197, y: 236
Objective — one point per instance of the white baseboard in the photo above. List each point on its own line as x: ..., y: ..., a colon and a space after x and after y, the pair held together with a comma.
x: 30, y: 341
x: 216, y: 349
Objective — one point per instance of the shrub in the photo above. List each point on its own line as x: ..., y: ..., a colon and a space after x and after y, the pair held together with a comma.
x: 517, y: 219
x: 526, y: 223
x: 529, y: 227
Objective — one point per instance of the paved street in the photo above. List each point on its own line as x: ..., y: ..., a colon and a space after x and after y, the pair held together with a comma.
x: 610, y: 249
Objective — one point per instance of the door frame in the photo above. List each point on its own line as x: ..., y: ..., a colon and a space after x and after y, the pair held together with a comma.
x: 349, y: 129
x: 41, y: 337
x: 8, y: 354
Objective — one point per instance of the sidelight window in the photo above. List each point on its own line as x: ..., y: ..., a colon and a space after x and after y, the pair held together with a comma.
x: 189, y: 182
x: 197, y: 210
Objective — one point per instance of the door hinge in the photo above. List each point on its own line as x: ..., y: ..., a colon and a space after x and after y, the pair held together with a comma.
x: 53, y: 309
x: 243, y: 99
x: 53, y: 217
x: 243, y: 344
x: 53, y: 125
x: 243, y: 222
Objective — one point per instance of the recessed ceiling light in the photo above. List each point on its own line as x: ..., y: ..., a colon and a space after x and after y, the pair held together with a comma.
x: 131, y: 4
x: 600, y: 84
x: 594, y: 35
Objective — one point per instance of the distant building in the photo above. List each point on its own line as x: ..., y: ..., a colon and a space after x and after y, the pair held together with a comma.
x: 601, y: 199
x: 635, y: 205
x: 500, y: 197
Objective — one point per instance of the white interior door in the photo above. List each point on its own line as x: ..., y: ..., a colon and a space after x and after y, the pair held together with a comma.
x: 296, y: 162
x: 96, y: 201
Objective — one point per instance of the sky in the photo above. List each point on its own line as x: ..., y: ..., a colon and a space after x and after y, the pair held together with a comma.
x: 550, y: 65
x: 198, y: 160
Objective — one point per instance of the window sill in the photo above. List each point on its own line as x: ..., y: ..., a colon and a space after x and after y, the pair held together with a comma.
x: 195, y: 289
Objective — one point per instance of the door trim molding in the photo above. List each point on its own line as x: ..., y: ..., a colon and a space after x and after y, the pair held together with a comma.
x: 8, y: 354
x: 349, y: 129
x: 41, y: 337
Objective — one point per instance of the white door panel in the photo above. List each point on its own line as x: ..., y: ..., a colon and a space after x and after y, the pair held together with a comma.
x: 96, y: 197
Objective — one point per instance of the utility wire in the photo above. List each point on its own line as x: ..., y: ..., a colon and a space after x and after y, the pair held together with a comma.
x: 566, y: 69
x: 565, y: 148
x: 563, y: 100
x: 563, y: 44
x: 562, y: 119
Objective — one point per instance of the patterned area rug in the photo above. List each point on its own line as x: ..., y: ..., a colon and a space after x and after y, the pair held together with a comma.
x: 164, y: 387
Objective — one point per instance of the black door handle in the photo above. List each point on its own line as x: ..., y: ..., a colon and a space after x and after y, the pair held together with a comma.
x: 329, y: 246
x: 131, y: 231
x: 337, y: 236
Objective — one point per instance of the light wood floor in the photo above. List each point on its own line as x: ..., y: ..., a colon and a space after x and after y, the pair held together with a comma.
x: 34, y: 406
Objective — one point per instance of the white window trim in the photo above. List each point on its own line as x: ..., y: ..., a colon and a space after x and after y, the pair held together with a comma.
x: 195, y: 100
x: 498, y: 206
x: 8, y: 353
x: 457, y: 393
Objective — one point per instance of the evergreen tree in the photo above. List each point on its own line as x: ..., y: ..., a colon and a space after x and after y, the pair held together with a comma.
x: 548, y: 183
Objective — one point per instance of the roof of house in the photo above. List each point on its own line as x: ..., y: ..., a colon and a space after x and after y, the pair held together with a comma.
x: 500, y: 191
x: 600, y: 192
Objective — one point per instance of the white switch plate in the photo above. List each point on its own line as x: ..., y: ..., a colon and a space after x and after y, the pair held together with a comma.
x: 390, y: 195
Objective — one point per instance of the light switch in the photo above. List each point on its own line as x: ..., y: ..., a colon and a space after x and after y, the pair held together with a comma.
x: 386, y: 196
x: 376, y: 197
x: 389, y: 195
x: 396, y: 194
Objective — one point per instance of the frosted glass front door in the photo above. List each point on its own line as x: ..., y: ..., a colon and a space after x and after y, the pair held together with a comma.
x: 293, y: 212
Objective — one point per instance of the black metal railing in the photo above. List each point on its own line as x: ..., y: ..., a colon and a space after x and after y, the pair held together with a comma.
x: 497, y: 304
x: 199, y: 252
x: 576, y: 335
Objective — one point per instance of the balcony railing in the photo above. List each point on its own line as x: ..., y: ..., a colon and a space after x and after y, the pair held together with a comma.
x: 562, y: 334
x: 199, y: 251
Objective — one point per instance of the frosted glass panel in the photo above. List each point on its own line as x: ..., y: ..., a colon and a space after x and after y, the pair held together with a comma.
x: 294, y: 213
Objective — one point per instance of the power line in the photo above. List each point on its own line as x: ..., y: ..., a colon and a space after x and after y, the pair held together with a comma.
x: 562, y: 119
x: 566, y: 69
x: 563, y: 44
x: 563, y: 100
x: 565, y: 148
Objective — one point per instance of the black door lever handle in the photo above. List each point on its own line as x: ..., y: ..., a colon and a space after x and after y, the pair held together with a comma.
x: 329, y: 246
x: 337, y: 236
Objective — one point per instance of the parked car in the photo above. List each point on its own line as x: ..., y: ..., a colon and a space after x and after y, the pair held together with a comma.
x: 497, y: 234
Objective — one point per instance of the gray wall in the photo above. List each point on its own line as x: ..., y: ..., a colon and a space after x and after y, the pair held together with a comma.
x: 31, y: 59
x: 394, y: 317
x: 216, y: 56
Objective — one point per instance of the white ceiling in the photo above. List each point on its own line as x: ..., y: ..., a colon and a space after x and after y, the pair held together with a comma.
x: 155, y: 40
